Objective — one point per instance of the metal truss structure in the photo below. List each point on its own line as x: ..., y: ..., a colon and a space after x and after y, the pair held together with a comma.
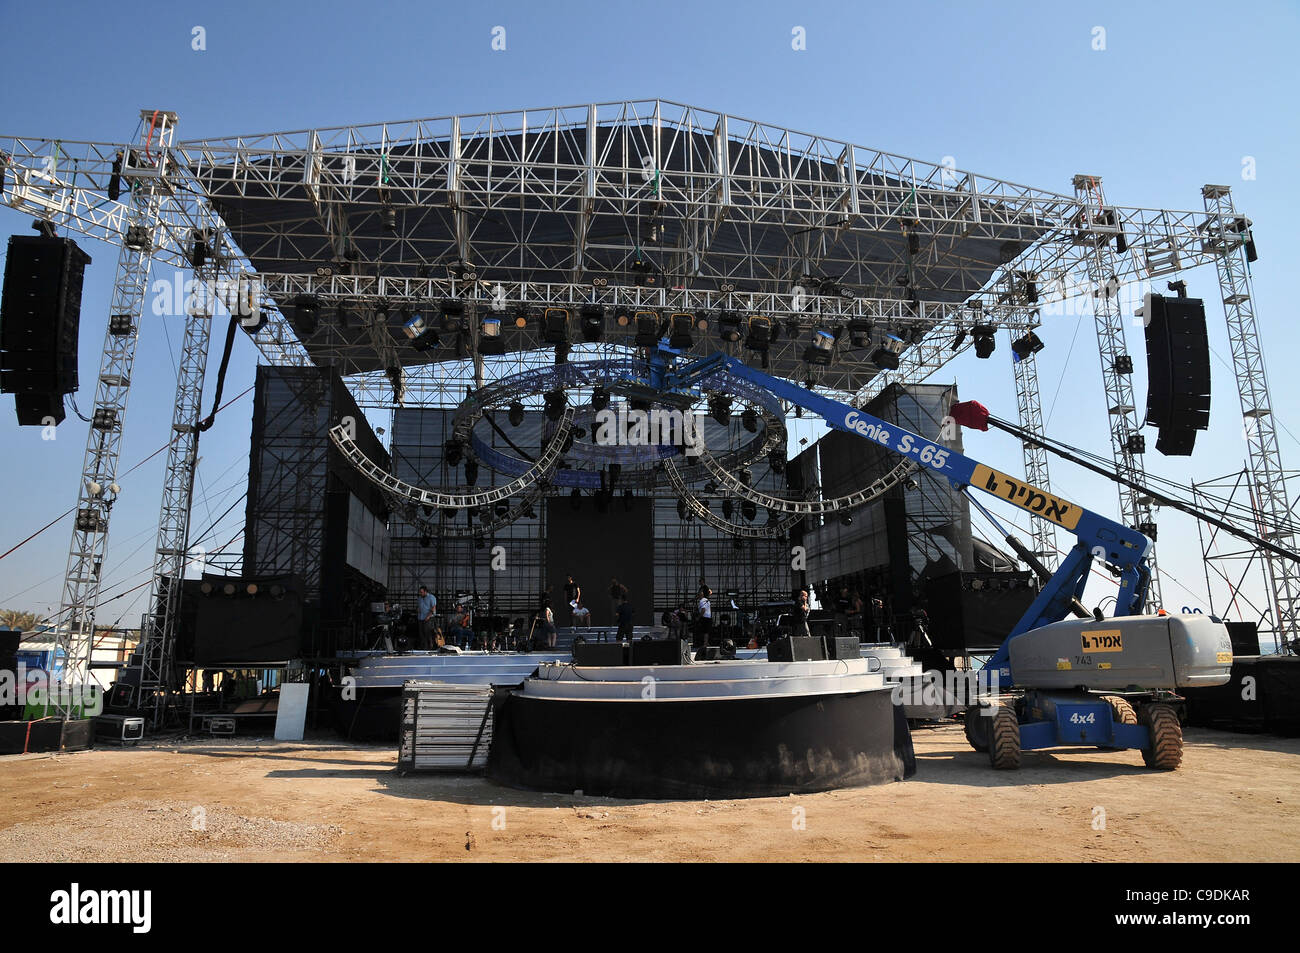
x: 1102, y: 265
x: 1228, y: 234
x: 1029, y: 409
x: 647, y: 205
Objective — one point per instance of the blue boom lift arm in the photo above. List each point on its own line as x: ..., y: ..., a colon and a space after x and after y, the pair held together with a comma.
x: 1099, y: 538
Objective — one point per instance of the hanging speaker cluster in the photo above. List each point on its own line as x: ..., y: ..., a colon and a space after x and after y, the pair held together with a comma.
x: 1178, y: 371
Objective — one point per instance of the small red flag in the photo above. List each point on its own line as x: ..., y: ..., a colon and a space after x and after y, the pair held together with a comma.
x: 970, y: 413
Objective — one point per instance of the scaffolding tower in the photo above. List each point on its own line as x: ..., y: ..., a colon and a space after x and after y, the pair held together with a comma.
x: 1228, y: 234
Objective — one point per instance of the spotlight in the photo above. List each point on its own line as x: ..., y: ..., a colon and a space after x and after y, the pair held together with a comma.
x: 228, y: 589
x: 821, y: 349
x: 985, y: 339
x: 682, y: 512
x: 720, y: 409
x: 846, y: 519
x: 414, y: 326
x: 388, y: 216
x: 489, y: 339
x: 759, y: 333
x: 516, y: 413
x: 521, y: 318
x: 593, y: 322
x: 643, y: 274
x: 453, y: 315
x: 958, y: 340
x: 683, y: 331
x: 860, y: 333
x: 599, y: 399
x: 749, y: 420
x: 471, y: 471
x: 622, y: 317
x: 749, y: 510
x: 885, y: 359
x: 776, y: 460
x: 729, y: 326
x: 728, y: 508
x: 555, y: 404
x: 647, y: 329
x: 1027, y: 345
x: 454, y: 452
x: 306, y: 308
x: 744, y: 476
x: 251, y: 589
x: 555, y: 326
x: 501, y: 509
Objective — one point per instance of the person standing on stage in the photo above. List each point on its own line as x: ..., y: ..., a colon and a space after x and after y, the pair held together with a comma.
x: 858, y: 619
x: 427, y: 614
x: 703, y: 617
x: 843, y: 606
x: 625, y: 614
x: 801, y: 612
x: 617, y: 593
x: 572, y: 595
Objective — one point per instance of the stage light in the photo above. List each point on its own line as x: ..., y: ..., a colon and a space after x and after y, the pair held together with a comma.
x: 501, y: 509
x: 776, y: 460
x: 1027, y: 345
x: 622, y: 317
x: 885, y: 359
x: 521, y: 319
x: 453, y: 315
x: 860, y: 332
x: 114, y: 178
x: 683, y: 331
x: 515, y: 414
x: 306, y: 308
x: 729, y: 326
x: 748, y: 510
x: 985, y: 339
x: 759, y: 334
x: 555, y: 326
x: 454, y: 452
x: 554, y: 404
x: 749, y: 420
x: 471, y: 471
x: 682, y: 511
x: 251, y: 589
x: 593, y: 322
x: 388, y: 216
x: 414, y: 326
x: 206, y: 588
x: 647, y: 329
x: 643, y: 274
x: 489, y: 339
x: 916, y: 335
x: 599, y: 399
x: 728, y: 508
x: 846, y: 519
x: 821, y: 349
x: 228, y: 588
x: 720, y: 409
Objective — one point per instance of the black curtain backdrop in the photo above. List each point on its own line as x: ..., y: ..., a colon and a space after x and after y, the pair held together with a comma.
x: 595, y: 546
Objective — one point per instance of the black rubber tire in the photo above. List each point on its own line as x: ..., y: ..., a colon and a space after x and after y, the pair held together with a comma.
x: 1124, y: 714
x: 977, y: 728
x: 1004, y: 739
x: 1166, y: 751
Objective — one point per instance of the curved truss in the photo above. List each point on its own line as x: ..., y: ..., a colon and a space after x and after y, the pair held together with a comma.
x: 547, y: 462
x: 698, y: 507
x: 481, y: 528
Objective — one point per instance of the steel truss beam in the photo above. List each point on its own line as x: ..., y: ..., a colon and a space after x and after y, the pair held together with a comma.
x: 1227, y: 234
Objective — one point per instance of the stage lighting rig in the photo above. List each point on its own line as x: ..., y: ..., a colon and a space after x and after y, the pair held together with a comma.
x: 885, y: 358
x: 306, y: 308
x: 643, y: 274
x: 555, y: 326
x: 749, y: 510
x: 759, y: 333
x: 599, y: 398
x: 593, y: 322
x: 682, y: 337
x: 821, y: 349
x: 421, y: 336
x: 729, y: 326
x: 490, y: 342
x: 622, y: 317
x: 554, y: 404
x: 985, y: 339
x: 860, y: 332
x: 720, y: 409
x: 452, y: 314
x: 515, y: 413
x: 454, y: 452
x: 776, y: 460
x: 749, y: 420
x: 1031, y: 343
x: 647, y: 329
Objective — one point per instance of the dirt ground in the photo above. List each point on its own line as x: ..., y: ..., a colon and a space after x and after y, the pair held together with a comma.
x: 248, y: 799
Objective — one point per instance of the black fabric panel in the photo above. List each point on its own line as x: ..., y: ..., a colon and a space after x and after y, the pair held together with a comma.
x: 579, y: 542
x: 1274, y: 707
x: 243, y: 629
x: 759, y: 747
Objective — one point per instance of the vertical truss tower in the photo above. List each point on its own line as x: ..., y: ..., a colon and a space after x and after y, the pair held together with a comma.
x: 1099, y: 225
x: 1229, y: 234
x: 1030, y: 409
x: 97, y: 487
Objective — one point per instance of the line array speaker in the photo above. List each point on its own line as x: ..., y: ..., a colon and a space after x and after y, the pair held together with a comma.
x: 1178, y: 371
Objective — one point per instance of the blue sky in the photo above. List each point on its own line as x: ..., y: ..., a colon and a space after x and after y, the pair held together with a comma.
x: 1181, y: 93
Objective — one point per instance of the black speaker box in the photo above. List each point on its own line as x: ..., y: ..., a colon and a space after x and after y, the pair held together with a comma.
x: 40, y: 313
x: 1270, y: 701
x: 38, y: 410
x: 1245, y: 637
x: 843, y: 646
x: 976, y: 610
x: 1178, y: 371
x: 661, y: 652
x: 796, y: 648
x: 599, y: 653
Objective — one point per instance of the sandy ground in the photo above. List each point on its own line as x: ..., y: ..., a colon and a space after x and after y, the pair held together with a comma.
x: 249, y: 799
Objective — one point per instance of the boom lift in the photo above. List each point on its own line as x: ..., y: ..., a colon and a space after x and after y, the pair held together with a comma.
x: 1050, y: 668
